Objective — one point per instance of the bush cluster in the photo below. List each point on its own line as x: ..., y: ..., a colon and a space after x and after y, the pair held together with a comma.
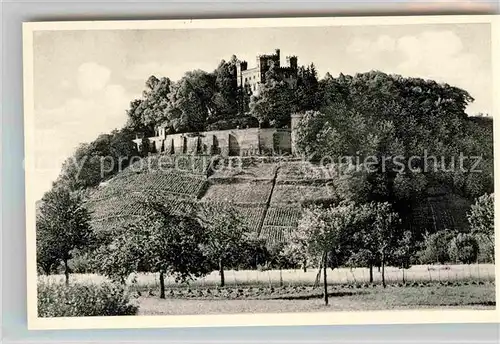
x: 76, y: 300
x: 447, y: 246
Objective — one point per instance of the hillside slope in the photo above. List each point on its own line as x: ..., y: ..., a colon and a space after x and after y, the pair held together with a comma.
x: 267, y: 192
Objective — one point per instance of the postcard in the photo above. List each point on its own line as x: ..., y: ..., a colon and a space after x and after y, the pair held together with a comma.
x: 261, y: 172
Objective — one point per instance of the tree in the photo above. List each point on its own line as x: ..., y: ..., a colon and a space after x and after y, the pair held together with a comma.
x: 151, y: 110
x: 226, y: 94
x: 378, y: 233
x: 274, y: 103
x: 404, y: 252
x: 225, y: 233
x: 98, y: 160
x: 191, y: 102
x: 481, y: 217
x: 326, y: 233
x: 162, y: 241
x: 46, y: 254
x: 463, y: 248
x: 307, y: 94
x: 62, y: 226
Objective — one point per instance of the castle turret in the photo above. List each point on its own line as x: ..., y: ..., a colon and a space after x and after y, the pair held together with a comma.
x: 292, y: 61
x: 295, y: 120
x: 240, y: 67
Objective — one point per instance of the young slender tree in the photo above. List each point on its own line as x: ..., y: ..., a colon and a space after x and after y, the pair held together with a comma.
x: 62, y: 226
x: 381, y: 233
x: 327, y: 234
x: 225, y: 230
x: 377, y: 235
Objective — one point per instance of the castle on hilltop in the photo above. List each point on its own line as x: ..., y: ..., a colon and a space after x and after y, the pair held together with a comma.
x: 253, y: 78
x: 237, y: 142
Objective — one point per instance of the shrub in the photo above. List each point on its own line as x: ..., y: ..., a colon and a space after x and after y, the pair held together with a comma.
x: 436, y: 247
x: 76, y: 300
x: 463, y: 248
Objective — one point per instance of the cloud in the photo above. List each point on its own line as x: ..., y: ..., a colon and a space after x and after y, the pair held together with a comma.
x: 100, y: 108
x: 363, y: 46
x: 438, y: 55
x: 92, y: 77
x: 142, y: 71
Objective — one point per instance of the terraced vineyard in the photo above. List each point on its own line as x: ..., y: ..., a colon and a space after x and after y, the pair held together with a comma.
x: 302, y: 170
x: 114, y: 206
x: 155, y: 182
x: 294, y: 194
x: 248, y: 188
x: 275, y: 234
x: 252, y: 214
x: 246, y: 170
x: 283, y: 216
x: 194, y: 164
x: 118, y: 211
x: 239, y: 192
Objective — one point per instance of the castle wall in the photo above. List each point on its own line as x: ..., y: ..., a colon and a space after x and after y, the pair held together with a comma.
x: 235, y: 142
x: 275, y: 140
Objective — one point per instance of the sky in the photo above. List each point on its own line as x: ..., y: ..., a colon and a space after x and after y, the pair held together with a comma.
x: 84, y: 80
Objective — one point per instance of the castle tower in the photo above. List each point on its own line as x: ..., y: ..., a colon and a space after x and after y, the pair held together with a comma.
x: 240, y: 67
x: 295, y: 120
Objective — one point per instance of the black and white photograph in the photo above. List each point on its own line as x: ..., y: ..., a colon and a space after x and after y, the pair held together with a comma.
x: 260, y: 171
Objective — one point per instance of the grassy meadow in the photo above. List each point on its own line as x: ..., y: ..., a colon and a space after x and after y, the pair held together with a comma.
x: 299, y: 277
x: 366, y: 299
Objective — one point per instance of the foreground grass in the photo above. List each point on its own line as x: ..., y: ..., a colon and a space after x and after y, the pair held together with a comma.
x: 437, y: 297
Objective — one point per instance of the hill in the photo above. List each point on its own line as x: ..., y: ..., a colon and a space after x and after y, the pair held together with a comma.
x: 268, y: 193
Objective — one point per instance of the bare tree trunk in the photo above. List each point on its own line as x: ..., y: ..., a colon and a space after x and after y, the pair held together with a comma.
x: 383, y: 269
x: 221, y: 272
x: 281, y: 278
x: 371, y: 273
x: 325, y: 285
x: 318, y: 275
x: 162, y: 285
x: 66, y: 271
x: 304, y: 266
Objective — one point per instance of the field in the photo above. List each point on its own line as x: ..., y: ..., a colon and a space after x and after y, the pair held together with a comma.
x: 430, y: 297
x: 301, y: 278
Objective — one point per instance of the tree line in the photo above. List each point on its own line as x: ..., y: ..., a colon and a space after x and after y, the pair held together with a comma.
x: 197, y: 239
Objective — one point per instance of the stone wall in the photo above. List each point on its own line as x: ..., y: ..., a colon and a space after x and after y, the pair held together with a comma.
x: 234, y: 142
